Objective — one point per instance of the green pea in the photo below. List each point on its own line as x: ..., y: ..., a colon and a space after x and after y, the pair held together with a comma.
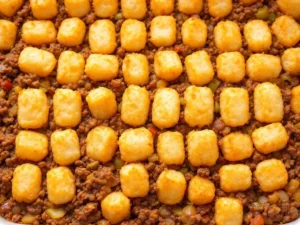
x: 271, y: 17
x: 118, y: 163
x: 262, y: 13
x: 214, y: 84
x: 217, y: 107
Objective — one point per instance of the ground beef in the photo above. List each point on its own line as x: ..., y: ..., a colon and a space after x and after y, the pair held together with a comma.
x: 93, y: 180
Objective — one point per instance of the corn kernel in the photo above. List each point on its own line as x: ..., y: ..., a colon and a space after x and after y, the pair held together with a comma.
x: 190, y: 6
x: 234, y: 105
x: 217, y: 8
x: 38, y: 32
x: 270, y: 138
x: 102, y: 67
x: 65, y: 147
x: 102, y: 37
x: 55, y: 213
x: 170, y: 148
x: 31, y: 146
x: 201, y: 191
x: 163, y: 31
x: 194, y: 32
x: 237, y: 146
x: 115, y: 207
x: 135, y: 106
x: 268, y: 103
x: 231, y: 67
x: 271, y: 175
x: 136, y: 144
x: 60, y: 185
x: 26, y: 183
x: 167, y: 65
x: 162, y: 7
x: 133, y: 35
x: 135, y: 69
x: 134, y: 180
x: 44, y: 9
x: 105, y: 8
x: 33, y: 108
x: 235, y: 178
x: 290, y: 7
x: 258, y: 35
x: 165, y: 108
x: 199, y: 68
x: 202, y: 148
x: 77, y: 8
x: 228, y: 37
x: 134, y: 9
x: 291, y: 61
x: 71, y: 32
x: 228, y: 211
x: 67, y: 106
x: 36, y: 61
x: 263, y: 67
x: 286, y: 30
x: 102, y: 103
x: 28, y: 219
x: 8, y: 33
x: 171, y: 187
x: 9, y: 8
x: 295, y: 100
x: 101, y: 144
x: 199, y: 106
x: 70, y: 67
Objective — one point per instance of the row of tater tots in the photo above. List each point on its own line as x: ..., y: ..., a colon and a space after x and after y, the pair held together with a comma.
x: 133, y: 35
x: 171, y: 186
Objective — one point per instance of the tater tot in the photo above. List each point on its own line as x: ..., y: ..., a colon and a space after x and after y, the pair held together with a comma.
x: 219, y: 8
x: 170, y: 148
x: 60, y: 185
x: 270, y: 138
x: 199, y: 68
x: 167, y: 65
x: 67, y: 105
x: 286, y: 30
x: 237, y: 146
x: 194, y: 32
x: 9, y: 8
x: 268, y: 103
x: 31, y: 146
x: 133, y: 35
x: 77, y: 8
x: 102, y: 37
x: 8, y: 33
x: 136, y: 144
x: 115, y: 207
x: 44, y: 9
x: 201, y: 191
x: 290, y: 7
x: 190, y: 6
x: 162, y: 7
x: 135, y: 105
x: 26, y: 183
x: 202, y: 148
x: 102, y: 103
x: 290, y: 60
x: 134, y: 9
x: 135, y: 69
x: 271, y: 175
x: 235, y: 178
x: 171, y: 187
x: 199, y: 106
x: 134, y: 180
x: 263, y: 67
x: 165, y: 108
x: 234, y: 106
x: 258, y: 35
x: 65, y: 146
x: 227, y: 36
x: 248, y: 2
x: 101, y: 143
x: 231, y: 67
x: 105, y: 8
x: 228, y: 211
x: 295, y: 100
x: 163, y: 31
